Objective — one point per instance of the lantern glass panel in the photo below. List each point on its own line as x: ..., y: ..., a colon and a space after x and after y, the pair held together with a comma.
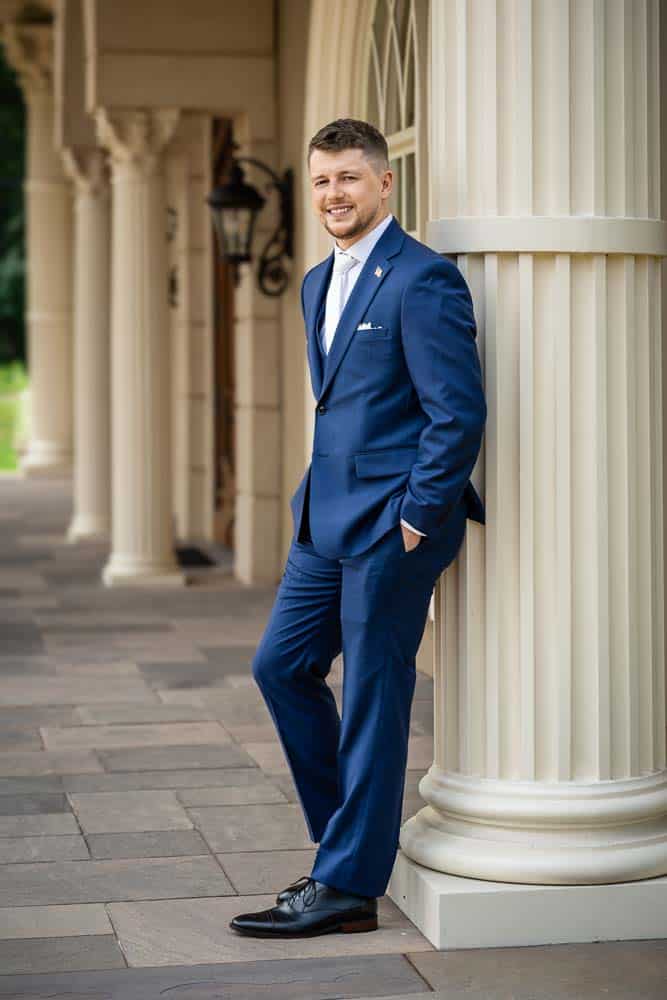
x: 237, y: 223
x: 234, y: 229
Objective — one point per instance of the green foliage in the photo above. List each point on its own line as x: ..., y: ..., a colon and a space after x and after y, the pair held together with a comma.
x: 12, y: 239
x: 13, y: 380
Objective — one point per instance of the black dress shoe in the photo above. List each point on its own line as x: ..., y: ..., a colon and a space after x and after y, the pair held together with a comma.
x: 286, y: 893
x: 314, y: 908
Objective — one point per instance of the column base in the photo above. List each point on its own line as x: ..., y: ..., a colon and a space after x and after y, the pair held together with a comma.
x: 544, y: 833
x: 457, y: 912
x: 88, y: 527
x: 37, y: 465
x: 123, y: 573
x: 45, y: 458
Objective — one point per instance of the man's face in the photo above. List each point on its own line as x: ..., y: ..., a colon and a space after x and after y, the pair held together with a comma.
x: 347, y: 180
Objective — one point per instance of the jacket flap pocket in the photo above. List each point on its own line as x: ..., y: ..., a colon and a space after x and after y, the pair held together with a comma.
x: 385, y: 463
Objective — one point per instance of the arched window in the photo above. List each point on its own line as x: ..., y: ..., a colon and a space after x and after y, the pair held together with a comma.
x: 396, y: 102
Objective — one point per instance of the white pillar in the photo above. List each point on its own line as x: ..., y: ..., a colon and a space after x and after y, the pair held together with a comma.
x: 550, y: 765
x: 142, y: 531
x: 90, y: 519
x: 48, y: 207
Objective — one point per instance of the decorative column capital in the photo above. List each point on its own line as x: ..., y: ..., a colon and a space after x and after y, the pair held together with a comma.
x: 29, y: 51
x: 136, y: 137
x: 88, y: 169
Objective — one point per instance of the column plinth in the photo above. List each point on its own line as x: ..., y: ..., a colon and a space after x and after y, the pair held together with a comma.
x: 142, y: 550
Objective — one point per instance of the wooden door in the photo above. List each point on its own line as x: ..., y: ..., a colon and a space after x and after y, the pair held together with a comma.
x: 223, y: 347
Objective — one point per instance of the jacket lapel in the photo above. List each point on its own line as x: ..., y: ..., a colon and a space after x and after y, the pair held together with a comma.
x: 373, y: 273
x: 315, y: 359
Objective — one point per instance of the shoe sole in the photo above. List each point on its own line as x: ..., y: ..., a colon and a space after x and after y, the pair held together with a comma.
x: 355, y: 927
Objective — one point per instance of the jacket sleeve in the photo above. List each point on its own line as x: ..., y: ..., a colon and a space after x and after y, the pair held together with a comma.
x: 438, y: 333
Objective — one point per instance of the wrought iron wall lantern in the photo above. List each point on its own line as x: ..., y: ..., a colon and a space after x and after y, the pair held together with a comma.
x: 235, y: 206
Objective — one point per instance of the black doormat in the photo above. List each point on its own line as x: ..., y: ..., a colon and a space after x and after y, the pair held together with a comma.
x: 190, y: 555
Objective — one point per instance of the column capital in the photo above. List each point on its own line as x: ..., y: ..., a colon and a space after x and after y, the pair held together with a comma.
x: 29, y: 51
x: 87, y: 168
x: 136, y: 137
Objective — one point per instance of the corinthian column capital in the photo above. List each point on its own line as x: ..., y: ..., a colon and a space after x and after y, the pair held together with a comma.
x: 88, y: 170
x: 136, y: 137
x: 29, y: 50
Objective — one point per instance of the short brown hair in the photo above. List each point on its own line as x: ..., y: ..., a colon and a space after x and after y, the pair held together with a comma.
x: 352, y: 133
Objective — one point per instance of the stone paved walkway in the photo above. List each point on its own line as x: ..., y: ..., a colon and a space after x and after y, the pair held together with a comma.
x: 144, y: 800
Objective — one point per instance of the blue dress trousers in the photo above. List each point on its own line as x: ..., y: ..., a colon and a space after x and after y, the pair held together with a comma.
x: 399, y: 420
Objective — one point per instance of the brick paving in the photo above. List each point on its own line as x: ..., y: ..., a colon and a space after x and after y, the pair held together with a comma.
x: 144, y: 800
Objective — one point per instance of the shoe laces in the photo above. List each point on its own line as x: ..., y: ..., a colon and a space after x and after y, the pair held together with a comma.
x: 306, y: 892
x: 300, y: 882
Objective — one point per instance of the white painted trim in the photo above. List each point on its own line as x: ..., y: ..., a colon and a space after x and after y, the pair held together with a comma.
x: 543, y: 234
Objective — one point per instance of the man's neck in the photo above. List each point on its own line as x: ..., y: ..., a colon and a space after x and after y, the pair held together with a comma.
x: 370, y: 229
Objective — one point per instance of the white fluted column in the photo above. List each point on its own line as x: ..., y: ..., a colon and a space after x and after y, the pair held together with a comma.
x: 142, y: 530
x: 550, y: 765
x: 91, y: 500
x: 48, y: 208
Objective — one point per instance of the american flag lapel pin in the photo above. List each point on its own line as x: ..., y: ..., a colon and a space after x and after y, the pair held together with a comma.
x: 378, y: 272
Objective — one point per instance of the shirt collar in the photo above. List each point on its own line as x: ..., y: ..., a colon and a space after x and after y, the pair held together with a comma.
x: 361, y: 250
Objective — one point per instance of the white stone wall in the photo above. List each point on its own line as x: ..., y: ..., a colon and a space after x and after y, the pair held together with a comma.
x: 257, y: 358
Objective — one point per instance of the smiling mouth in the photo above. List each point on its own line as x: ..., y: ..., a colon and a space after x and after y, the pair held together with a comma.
x: 339, y: 212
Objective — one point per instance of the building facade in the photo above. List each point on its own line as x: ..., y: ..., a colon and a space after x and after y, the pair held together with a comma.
x: 527, y: 142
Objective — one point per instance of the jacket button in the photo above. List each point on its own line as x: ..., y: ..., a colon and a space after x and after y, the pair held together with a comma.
x: 321, y: 408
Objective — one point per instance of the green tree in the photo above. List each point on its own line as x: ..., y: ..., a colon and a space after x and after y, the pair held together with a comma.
x: 12, y: 228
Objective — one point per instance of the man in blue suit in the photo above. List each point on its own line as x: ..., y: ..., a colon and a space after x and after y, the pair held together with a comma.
x: 379, y: 514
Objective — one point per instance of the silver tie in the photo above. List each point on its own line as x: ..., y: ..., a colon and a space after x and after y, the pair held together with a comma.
x: 336, y: 295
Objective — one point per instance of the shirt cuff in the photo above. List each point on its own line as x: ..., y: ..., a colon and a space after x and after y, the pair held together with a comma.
x: 416, y: 530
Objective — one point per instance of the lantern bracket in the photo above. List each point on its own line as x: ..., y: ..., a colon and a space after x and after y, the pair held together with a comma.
x: 272, y: 276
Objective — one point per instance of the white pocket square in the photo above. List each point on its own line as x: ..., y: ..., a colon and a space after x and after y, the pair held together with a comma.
x: 368, y: 326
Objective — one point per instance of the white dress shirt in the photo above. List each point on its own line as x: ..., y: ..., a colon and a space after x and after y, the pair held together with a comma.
x: 347, y: 268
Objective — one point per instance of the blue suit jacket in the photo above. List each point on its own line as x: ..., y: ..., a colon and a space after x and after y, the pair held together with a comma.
x: 400, y: 408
